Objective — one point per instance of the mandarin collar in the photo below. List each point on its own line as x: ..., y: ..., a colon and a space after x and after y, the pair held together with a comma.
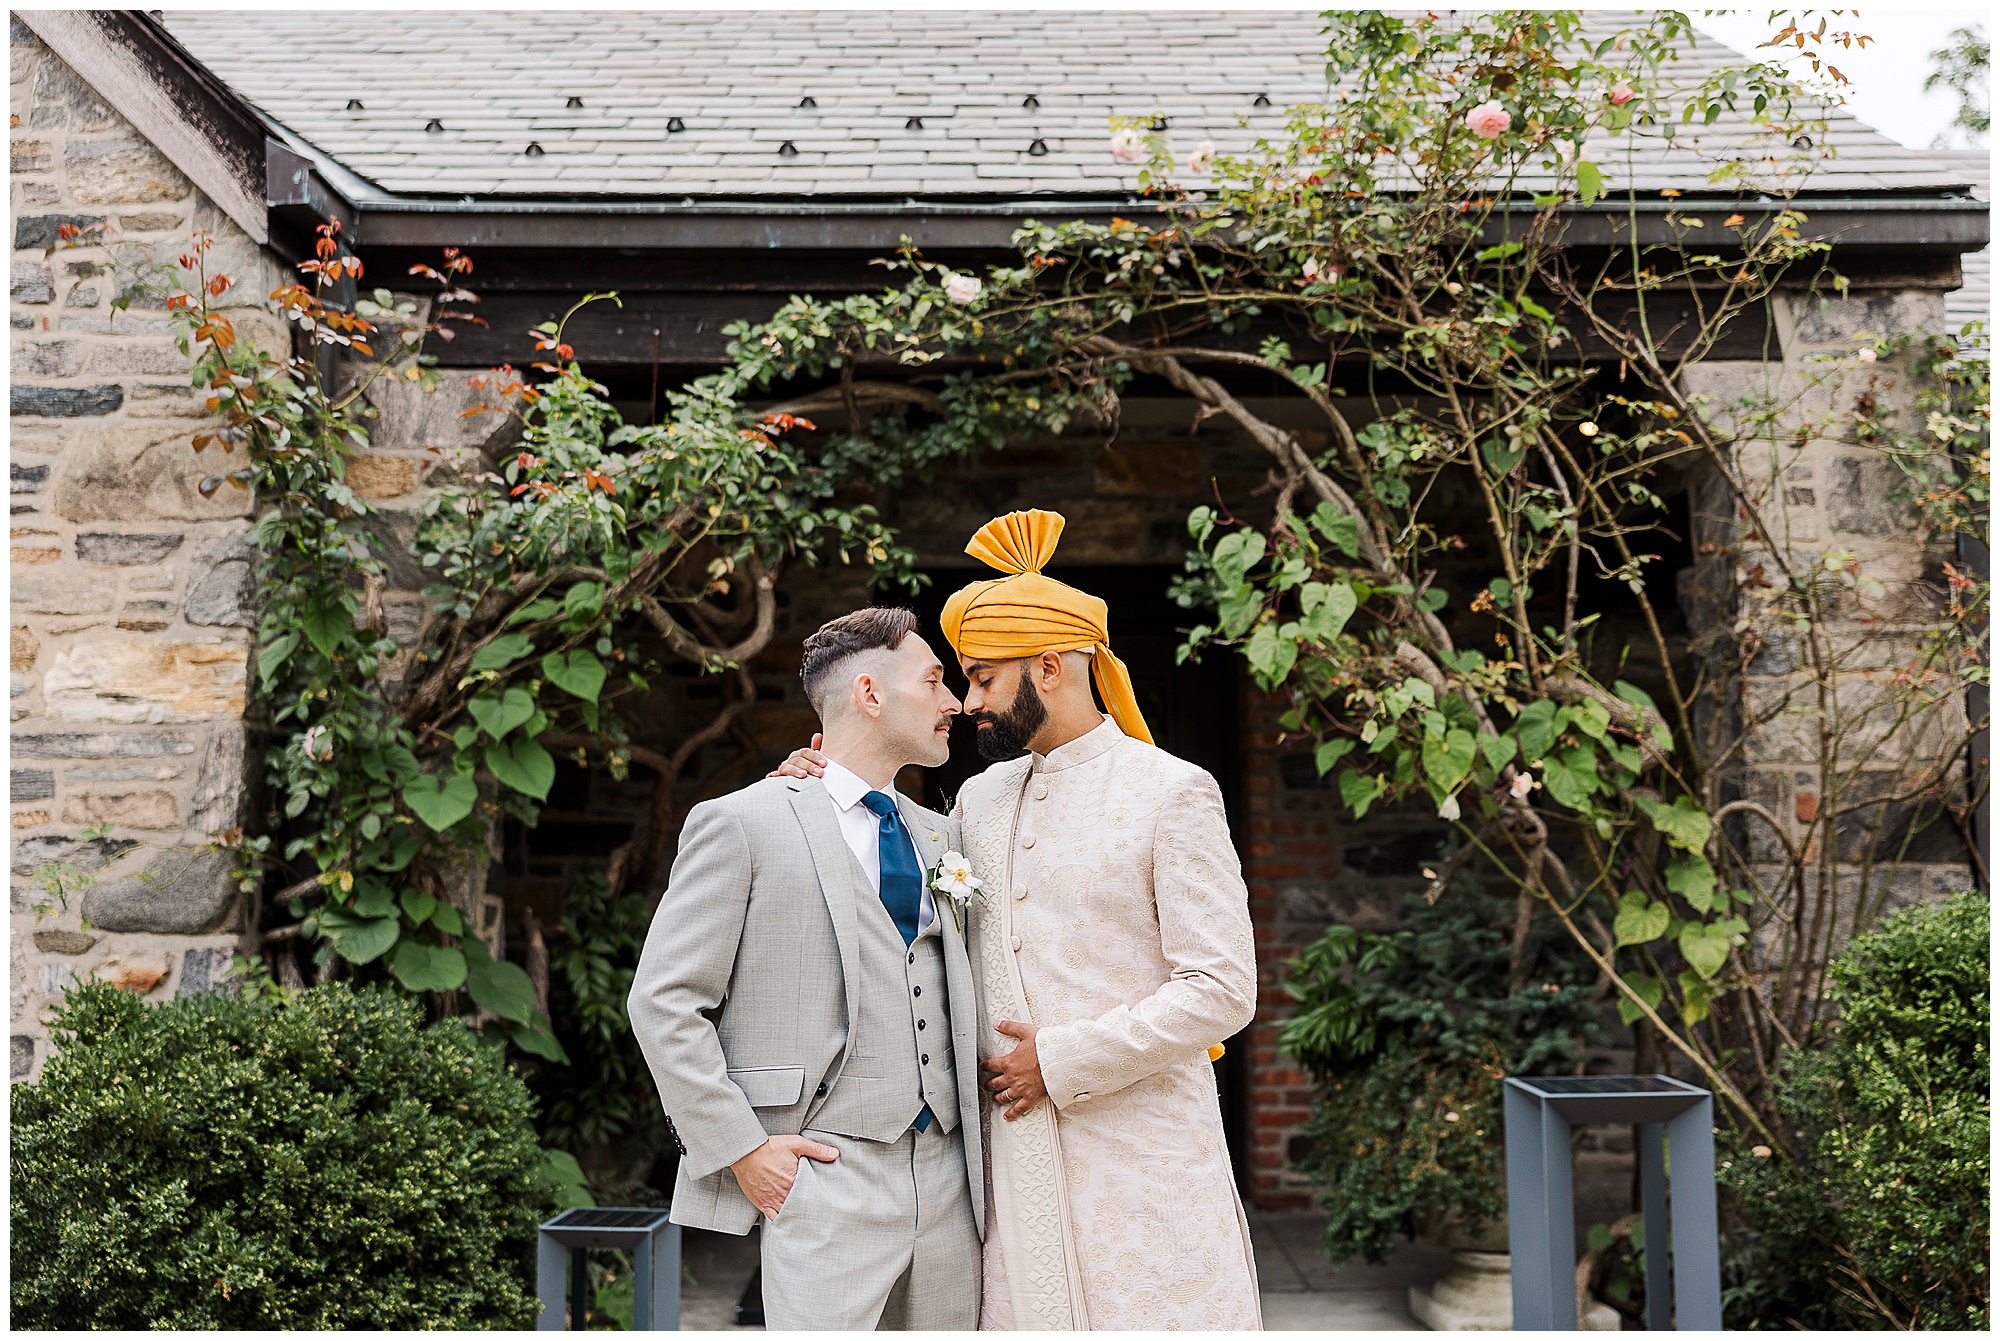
x: 1082, y: 750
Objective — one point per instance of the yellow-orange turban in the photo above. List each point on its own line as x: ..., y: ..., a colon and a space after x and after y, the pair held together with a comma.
x: 1026, y: 614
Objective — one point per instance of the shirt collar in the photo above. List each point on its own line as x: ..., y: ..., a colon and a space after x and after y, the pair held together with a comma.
x: 846, y: 788
x: 1081, y: 750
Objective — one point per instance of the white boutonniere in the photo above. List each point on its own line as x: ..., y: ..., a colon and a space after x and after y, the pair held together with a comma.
x: 954, y: 879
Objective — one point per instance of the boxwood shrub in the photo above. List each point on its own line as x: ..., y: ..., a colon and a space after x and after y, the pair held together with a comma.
x: 1882, y: 1220
x: 259, y: 1161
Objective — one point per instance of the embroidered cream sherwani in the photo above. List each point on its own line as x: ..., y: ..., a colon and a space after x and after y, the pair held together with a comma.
x: 1112, y: 916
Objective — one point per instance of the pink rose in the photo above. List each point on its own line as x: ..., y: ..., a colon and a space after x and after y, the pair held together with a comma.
x: 1866, y: 356
x: 1523, y: 784
x: 1203, y: 157
x: 1489, y: 120
x: 1621, y: 95
x: 962, y: 288
x: 1128, y: 146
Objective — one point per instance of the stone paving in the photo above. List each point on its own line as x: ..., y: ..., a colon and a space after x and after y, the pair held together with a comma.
x: 1302, y: 1291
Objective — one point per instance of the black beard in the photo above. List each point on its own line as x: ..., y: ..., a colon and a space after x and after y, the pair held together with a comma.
x: 1005, y: 735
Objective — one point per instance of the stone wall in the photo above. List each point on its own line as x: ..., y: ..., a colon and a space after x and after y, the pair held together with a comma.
x: 130, y: 624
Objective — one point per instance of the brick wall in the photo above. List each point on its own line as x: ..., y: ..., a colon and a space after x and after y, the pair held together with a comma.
x: 129, y: 623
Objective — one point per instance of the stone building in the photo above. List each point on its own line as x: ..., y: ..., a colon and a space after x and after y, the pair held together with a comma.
x: 704, y: 166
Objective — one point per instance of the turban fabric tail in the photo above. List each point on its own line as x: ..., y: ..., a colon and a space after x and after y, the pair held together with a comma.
x: 1026, y: 614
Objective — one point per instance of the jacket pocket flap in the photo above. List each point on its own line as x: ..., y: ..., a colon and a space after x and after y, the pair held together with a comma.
x: 770, y: 1086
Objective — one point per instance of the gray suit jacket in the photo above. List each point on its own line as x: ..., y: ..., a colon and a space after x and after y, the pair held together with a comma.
x: 750, y: 975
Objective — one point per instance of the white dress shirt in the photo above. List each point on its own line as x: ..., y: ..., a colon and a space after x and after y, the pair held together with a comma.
x: 862, y: 829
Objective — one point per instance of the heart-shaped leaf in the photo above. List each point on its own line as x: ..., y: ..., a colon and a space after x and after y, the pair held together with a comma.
x: 503, y: 651
x: 441, y: 802
x: 1684, y: 823
x: 1696, y: 996
x: 358, y: 939
x: 578, y: 671
x: 522, y: 764
x: 446, y: 919
x: 373, y: 898
x: 501, y: 713
x: 1650, y: 990
x: 419, y: 904
x: 1706, y: 947
x: 1330, y: 753
x: 1693, y: 879
x: 1447, y: 761
x: 499, y: 986
x: 324, y: 621
x: 1639, y: 920
x: 427, y: 968
x: 537, y: 1039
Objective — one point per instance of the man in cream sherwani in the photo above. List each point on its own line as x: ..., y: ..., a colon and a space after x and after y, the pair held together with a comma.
x: 1111, y: 938
x: 807, y: 1008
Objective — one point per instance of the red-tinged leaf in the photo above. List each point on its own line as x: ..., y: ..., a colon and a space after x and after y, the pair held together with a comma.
x: 445, y: 333
x: 209, y: 485
x: 202, y: 440
x: 565, y: 353
x: 364, y: 349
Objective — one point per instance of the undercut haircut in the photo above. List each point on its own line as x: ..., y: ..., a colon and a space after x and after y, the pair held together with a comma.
x: 875, y: 628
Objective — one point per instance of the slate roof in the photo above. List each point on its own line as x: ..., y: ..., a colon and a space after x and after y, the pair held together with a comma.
x: 907, y: 103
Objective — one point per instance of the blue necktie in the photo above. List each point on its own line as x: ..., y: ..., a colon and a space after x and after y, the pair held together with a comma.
x: 902, y: 880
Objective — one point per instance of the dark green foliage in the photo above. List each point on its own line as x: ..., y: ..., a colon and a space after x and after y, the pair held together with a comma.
x: 1884, y: 1217
x: 605, y: 1097
x: 1410, y: 1035
x: 258, y: 1161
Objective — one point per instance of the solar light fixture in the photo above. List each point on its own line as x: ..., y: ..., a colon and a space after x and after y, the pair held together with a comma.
x: 562, y: 1245
x: 433, y: 126
x: 675, y: 124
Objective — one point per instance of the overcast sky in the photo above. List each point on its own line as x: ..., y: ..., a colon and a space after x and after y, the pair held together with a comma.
x: 1887, y: 88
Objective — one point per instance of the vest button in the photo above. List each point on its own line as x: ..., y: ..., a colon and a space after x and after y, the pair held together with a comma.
x: 916, y: 991
x: 920, y: 1024
x: 913, y: 956
x: 821, y: 1091
x: 926, y: 1059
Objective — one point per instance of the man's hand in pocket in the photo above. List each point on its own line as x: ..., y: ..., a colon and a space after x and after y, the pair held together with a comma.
x: 767, y: 1173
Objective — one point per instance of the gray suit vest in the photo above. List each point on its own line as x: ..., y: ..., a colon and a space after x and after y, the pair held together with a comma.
x: 900, y: 1053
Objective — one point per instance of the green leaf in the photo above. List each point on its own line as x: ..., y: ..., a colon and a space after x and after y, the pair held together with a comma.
x: 500, y: 987
x: 1339, y: 528
x: 373, y: 898
x: 427, y: 968
x: 1330, y: 753
x: 1684, y: 823
x: 1499, y: 251
x: 1236, y: 554
x: 402, y: 764
x: 1650, y: 990
x: 1691, y: 877
x: 522, y: 764
x: 1499, y: 751
x: 579, y: 672
x: 1327, y: 607
x: 1696, y: 996
x: 1359, y: 791
x: 447, y: 919
x: 537, y: 1039
x: 1536, y: 729
x: 1501, y: 460
x: 441, y: 801
x: 560, y: 1171
x: 1705, y: 946
x: 1565, y: 784
x: 1238, y: 609
x: 1640, y: 920
x: 324, y: 621
x: 1632, y: 694
x: 358, y: 939
x: 1589, y: 181
x: 533, y: 611
x: 1447, y: 761
x: 272, y: 658
x: 503, y: 651
x: 1271, y: 654
x: 582, y: 601
x: 419, y: 904
x: 1590, y: 718
x: 500, y: 713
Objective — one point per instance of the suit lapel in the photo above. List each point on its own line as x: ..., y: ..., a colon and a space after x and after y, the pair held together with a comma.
x: 840, y: 882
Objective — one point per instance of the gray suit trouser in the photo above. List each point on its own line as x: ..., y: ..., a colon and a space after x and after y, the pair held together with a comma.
x: 881, y: 1239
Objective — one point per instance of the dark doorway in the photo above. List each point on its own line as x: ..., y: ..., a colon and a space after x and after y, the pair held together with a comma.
x: 1190, y: 708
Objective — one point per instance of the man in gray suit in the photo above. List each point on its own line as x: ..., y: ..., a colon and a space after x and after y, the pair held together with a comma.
x: 804, y: 1001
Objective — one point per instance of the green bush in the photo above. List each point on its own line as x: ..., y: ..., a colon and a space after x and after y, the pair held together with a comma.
x: 1409, y: 1035
x: 262, y: 1161
x: 1883, y: 1218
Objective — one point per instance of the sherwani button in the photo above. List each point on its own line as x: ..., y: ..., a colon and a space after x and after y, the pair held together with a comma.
x: 1077, y: 1099
x: 1020, y: 891
x: 1017, y: 943
x: 1028, y: 840
x: 1041, y: 791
